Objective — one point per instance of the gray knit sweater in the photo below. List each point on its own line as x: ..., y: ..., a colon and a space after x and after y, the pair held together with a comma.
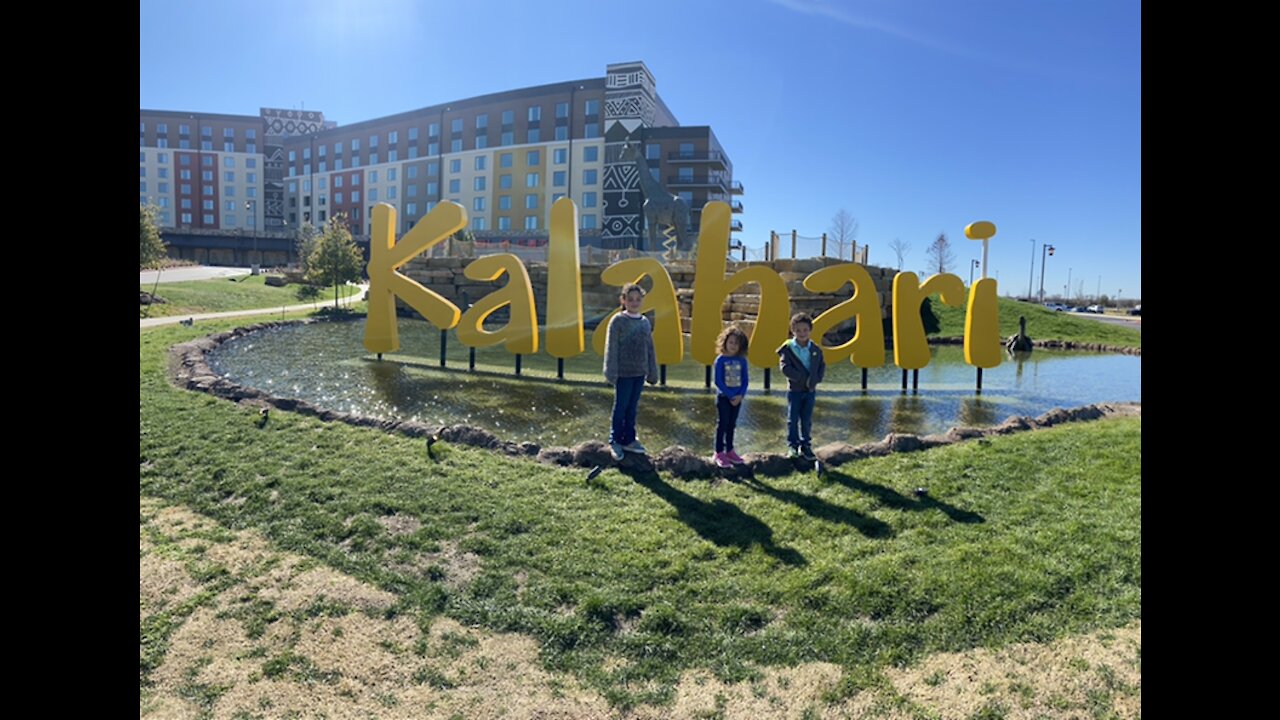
x: 628, y: 349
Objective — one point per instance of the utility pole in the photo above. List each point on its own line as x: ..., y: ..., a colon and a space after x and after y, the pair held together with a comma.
x: 1031, y: 279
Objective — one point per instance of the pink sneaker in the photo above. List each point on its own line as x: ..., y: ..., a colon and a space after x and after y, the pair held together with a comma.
x: 722, y: 460
x: 734, y: 458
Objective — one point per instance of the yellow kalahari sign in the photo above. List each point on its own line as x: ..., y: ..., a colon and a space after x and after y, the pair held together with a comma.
x: 564, y: 331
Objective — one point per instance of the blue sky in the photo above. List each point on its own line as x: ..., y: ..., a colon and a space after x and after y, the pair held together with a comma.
x: 917, y: 116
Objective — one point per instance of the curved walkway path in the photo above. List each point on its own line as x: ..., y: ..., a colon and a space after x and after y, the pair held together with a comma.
x: 174, y: 319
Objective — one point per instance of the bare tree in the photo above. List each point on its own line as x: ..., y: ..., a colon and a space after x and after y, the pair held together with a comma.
x: 843, y: 231
x: 939, y: 254
x: 900, y: 249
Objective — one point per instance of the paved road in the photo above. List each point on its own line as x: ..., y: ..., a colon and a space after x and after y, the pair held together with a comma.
x: 1129, y: 321
x: 193, y: 272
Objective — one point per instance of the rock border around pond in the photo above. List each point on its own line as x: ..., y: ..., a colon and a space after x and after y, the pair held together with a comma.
x: 189, y: 369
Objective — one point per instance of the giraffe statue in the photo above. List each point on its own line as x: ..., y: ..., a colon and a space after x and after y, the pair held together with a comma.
x: 660, y: 206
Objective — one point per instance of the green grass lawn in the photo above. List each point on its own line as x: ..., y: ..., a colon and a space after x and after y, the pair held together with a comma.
x: 1042, y: 324
x: 628, y: 580
x: 247, y: 292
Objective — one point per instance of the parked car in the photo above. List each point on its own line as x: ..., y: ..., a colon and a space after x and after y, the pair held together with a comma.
x: 1095, y: 309
x: 1135, y: 310
x: 1079, y: 309
x: 1059, y: 307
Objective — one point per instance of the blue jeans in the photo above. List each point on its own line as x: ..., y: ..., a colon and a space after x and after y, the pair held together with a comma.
x: 626, y: 401
x: 799, y: 412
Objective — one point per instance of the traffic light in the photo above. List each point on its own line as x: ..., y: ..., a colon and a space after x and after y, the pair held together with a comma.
x: 1050, y: 250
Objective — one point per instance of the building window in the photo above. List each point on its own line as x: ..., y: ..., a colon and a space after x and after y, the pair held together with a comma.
x: 455, y: 145
x: 411, y: 172
x: 591, y: 153
x: 504, y: 160
x: 588, y: 199
x: 355, y: 196
x: 531, y: 202
x: 411, y: 208
x: 355, y: 144
x: 392, y: 155
x: 162, y: 128
x: 482, y: 142
x: 337, y: 181
x: 558, y: 178
x: 531, y: 222
x: 562, y: 110
x: 391, y: 174
x: 559, y: 156
x: 455, y: 186
x: 479, y: 184
x: 373, y: 176
x: 535, y: 135
x: 504, y: 202
x: 591, y: 130
x: 206, y: 161
x: 186, y: 218
x: 251, y: 163
x: 207, y: 190
x: 687, y: 196
x: 413, y: 133
x: 589, y: 177
x: 686, y: 150
x: 391, y: 193
x: 591, y: 107
x: 652, y: 151
x: 455, y: 125
x: 162, y: 172
x: 504, y: 182
x: 480, y: 162
x: 373, y: 158
x: 207, y: 204
x: 208, y: 218
x: 162, y: 187
x: 373, y: 194
x: 533, y: 157
x: 562, y: 133
x: 684, y: 174
x: 229, y: 205
x: 142, y: 186
x: 162, y: 157
x: 142, y: 172
x: 228, y: 147
x: 555, y: 197
x: 477, y: 223
x: 535, y: 112
x: 433, y: 188
x: 589, y: 221
x: 413, y: 151
x: 531, y: 179
x: 433, y: 148
x: 411, y: 191
x: 477, y: 204
x: 184, y: 159
x: 355, y: 179
x: 508, y: 138
x: 229, y: 191
x: 455, y: 166
x: 504, y: 223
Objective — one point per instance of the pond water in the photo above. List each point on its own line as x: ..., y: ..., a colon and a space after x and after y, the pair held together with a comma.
x: 326, y: 364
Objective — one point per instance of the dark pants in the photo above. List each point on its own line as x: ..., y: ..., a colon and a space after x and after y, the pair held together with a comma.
x: 626, y: 401
x: 799, y: 413
x: 726, y: 421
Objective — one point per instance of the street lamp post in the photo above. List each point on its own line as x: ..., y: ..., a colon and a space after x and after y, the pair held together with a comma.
x: 972, y: 264
x: 1043, y: 248
x: 251, y: 207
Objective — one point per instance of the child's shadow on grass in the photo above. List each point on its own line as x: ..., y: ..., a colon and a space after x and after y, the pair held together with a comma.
x: 720, y: 522
x: 894, y: 499
x: 823, y: 510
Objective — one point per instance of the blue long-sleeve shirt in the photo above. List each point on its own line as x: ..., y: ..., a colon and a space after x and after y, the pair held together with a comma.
x: 731, y: 375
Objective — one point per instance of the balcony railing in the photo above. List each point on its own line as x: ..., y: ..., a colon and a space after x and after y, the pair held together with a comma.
x: 674, y: 180
x: 736, y: 207
x: 710, y: 156
x: 735, y: 226
x: 735, y: 187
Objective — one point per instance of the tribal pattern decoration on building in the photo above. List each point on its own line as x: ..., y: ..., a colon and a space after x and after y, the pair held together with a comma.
x: 292, y: 122
x: 628, y: 107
